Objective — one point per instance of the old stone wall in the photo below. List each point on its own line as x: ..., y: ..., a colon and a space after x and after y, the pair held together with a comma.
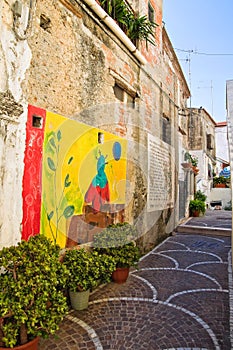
x: 69, y: 64
x: 14, y: 61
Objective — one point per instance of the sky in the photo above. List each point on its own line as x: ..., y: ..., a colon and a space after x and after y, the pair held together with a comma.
x: 201, y: 33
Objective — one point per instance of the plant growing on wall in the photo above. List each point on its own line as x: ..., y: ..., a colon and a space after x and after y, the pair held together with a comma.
x: 117, y: 9
x: 139, y: 28
x: 60, y: 209
x: 135, y: 26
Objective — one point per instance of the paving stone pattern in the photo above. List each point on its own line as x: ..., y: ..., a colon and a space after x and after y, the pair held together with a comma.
x: 178, y: 299
x: 213, y: 218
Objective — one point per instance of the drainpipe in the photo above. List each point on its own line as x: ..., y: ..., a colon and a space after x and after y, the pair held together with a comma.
x: 116, y: 29
x: 17, y: 9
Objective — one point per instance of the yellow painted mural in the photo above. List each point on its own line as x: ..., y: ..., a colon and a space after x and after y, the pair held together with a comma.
x: 84, y: 171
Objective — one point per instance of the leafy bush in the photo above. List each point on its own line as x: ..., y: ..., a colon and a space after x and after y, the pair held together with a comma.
x: 140, y: 28
x: 32, y: 300
x: 191, y: 159
x: 136, y: 26
x: 118, y: 241
x: 228, y: 206
x: 200, y: 195
x: 87, y: 269
x: 219, y: 180
x: 197, y: 205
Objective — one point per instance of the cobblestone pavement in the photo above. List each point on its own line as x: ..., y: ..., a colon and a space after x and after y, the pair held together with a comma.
x: 178, y: 299
x: 213, y: 218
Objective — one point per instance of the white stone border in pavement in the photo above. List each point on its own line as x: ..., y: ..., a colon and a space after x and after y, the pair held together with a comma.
x: 181, y: 270
x: 94, y: 337
x: 202, y: 323
x: 90, y: 331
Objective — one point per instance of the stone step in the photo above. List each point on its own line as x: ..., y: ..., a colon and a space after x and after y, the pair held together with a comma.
x: 200, y: 230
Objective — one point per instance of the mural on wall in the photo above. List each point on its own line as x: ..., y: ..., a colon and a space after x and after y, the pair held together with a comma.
x: 32, y: 171
x: 98, y: 191
x: 80, y: 180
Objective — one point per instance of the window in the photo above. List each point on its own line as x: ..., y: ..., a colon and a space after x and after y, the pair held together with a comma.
x: 37, y: 121
x: 210, y: 141
x: 119, y: 92
x: 100, y: 137
x: 166, y: 129
x: 151, y: 13
x: 123, y: 96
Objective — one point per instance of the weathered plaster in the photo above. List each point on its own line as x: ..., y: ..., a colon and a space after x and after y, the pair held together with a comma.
x: 14, y: 61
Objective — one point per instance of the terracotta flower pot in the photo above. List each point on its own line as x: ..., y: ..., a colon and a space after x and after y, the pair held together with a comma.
x: 196, y: 213
x: 31, y: 345
x: 120, y: 275
x: 195, y: 170
x: 186, y: 165
x: 220, y: 185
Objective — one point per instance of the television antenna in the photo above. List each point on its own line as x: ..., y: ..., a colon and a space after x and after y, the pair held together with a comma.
x: 211, y: 94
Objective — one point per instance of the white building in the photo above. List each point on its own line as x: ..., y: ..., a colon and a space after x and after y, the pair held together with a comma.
x: 222, y: 148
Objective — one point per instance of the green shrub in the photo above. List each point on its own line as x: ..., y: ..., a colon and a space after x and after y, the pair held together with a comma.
x: 219, y: 180
x: 118, y: 241
x: 87, y: 269
x: 197, y: 205
x: 136, y: 26
x: 32, y: 282
x: 228, y: 206
x: 191, y: 159
x: 200, y: 195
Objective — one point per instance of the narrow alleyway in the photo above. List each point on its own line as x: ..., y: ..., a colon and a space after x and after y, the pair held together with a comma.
x: 177, y: 299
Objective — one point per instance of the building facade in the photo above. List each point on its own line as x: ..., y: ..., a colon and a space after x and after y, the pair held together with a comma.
x: 66, y: 62
x: 222, y: 147
x: 202, y: 146
x: 229, y: 107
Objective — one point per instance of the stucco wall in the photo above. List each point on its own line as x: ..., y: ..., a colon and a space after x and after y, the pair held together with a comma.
x: 15, y: 58
x: 220, y: 194
x: 221, y: 142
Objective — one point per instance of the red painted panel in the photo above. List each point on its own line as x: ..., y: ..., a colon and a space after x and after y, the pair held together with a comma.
x: 32, y: 179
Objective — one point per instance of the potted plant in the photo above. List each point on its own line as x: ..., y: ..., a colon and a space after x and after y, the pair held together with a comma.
x: 200, y: 195
x: 137, y: 27
x: 86, y: 270
x: 117, y: 9
x: 187, y: 163
x: 197, y: 207
x: 219, y: 181
x: 32, y: 281
x: 191, y: 162
x: 118, y: 241
x: 105, y: 265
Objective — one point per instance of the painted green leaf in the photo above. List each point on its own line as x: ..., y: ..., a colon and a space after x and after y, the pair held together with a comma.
x: 70, y: 160
x: 59, y: 135
x: 68, y: 211
x: 51, y: 164
x: 52, y: 142
x: 50, y: 215
x: 67, y: 182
